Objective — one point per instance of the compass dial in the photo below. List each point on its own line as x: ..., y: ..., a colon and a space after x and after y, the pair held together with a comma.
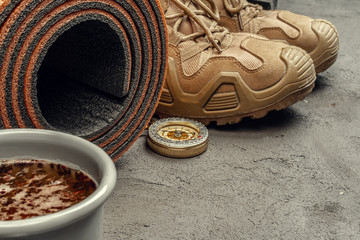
x: 178, y: 132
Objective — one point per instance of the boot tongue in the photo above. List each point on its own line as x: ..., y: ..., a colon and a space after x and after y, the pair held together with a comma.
x: 251, y: 9
x: 247, y: 5
x: 248, y: 9
x: 188, y: 26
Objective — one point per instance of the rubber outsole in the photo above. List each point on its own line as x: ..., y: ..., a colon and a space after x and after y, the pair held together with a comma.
x: 326, y: 52
x: 286, y: 102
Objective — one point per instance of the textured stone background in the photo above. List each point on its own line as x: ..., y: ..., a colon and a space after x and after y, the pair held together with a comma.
x: 294, y: 174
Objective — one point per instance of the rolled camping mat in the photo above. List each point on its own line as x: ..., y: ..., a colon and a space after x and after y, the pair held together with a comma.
x: 91, y: 68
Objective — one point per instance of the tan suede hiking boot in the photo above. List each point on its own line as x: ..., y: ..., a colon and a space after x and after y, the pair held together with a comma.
x: 318, y: 37
x: 217, y: 76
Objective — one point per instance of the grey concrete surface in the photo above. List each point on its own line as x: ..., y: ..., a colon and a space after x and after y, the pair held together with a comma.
x: 294, y: 174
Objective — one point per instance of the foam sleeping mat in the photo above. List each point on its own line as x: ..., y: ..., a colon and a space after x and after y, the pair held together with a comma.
x: 94, y: 69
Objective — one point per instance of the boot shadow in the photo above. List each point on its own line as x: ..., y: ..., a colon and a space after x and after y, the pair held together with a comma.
x: 274, y: 119
x: 322, y: 82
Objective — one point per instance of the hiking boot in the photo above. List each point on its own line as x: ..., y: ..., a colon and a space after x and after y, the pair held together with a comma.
x: 318, y: 37
x: 217, y: 76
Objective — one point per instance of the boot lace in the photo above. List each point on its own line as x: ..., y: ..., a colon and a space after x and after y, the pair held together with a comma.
x: 236, y: 6
x: 206, y: 8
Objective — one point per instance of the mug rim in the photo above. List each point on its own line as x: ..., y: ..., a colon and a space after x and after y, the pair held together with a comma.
x: 48, y: 222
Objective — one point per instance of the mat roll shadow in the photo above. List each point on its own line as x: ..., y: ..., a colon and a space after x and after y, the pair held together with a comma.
x: 94, y: 69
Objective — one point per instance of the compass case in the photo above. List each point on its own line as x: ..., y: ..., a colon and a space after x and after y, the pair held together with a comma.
x: 178, y: 137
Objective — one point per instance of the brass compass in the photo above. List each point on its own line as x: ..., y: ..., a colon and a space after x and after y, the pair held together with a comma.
x: 178, y: 137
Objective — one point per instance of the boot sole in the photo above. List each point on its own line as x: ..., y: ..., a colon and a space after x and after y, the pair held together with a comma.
x: 286, y: 102
x: 326, y: 52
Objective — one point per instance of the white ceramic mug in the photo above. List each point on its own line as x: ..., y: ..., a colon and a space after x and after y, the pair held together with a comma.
x: 82, y: 221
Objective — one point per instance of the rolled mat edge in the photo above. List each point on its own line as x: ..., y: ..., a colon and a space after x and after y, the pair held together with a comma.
x: 94, y: 69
